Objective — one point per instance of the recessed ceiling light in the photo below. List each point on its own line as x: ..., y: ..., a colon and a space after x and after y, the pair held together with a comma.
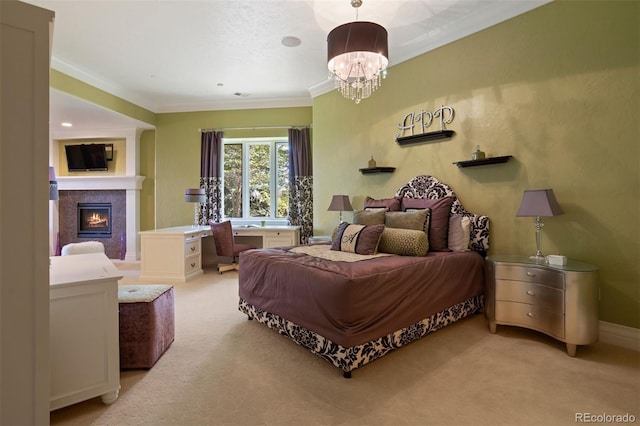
x: 291, y: 41
x: 242, y: 95
x: 65, y: 124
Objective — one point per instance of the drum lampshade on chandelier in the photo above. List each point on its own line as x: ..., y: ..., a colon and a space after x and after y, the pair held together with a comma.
x: 358, y: 55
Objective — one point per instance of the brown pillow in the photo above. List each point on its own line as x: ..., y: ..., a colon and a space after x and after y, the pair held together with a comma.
x: 403, y: 242
x: 416, y: 219
x: 439, y: 225
x: 391, y: 204
x: 368, y: 217
x: 360, y: 239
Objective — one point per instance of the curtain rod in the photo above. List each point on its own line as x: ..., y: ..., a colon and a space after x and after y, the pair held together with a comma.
x: 252, y: 128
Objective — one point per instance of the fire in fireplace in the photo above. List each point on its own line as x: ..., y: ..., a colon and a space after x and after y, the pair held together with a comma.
x: 94, y: 220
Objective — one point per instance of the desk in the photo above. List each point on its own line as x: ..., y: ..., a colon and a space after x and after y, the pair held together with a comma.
x: 175, y: 254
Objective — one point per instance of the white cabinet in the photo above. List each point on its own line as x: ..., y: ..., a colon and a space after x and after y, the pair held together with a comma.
x: 84, y: 339
x: 172, y: 254
x: 175, y: 254
x: 269, y: 236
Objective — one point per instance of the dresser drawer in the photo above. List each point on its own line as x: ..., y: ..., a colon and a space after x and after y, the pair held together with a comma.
x: 530, y: 316
x: 192, y: 264
x: 191, y: 247
x: 542, y: 296
x: 530, y: 274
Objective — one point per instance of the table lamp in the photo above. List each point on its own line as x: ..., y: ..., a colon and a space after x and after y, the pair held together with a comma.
x: 539, y: 203
x: 196, y: 196
x: 340, y: 203
x: 53, y: 185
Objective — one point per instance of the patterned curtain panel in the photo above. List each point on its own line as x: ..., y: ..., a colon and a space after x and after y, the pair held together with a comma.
x: 300, y: 183
x: 210, y: 176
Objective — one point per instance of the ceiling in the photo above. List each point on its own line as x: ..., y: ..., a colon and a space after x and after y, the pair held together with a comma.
x: 188, y: 55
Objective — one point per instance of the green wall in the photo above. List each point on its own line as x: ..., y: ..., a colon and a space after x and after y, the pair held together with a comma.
x: 178, y: 150
x: 557, y: 88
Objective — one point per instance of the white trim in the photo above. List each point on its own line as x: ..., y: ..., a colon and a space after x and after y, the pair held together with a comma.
x: 78, y: 183
x: 620, y: 335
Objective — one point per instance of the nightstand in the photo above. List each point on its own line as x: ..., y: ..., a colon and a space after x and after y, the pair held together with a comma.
x: 561, y: 301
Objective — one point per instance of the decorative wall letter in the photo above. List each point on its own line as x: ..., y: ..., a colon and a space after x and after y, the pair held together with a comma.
x: 425, y: 118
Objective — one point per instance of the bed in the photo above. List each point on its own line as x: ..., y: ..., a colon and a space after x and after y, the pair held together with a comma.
x: 352, y: 308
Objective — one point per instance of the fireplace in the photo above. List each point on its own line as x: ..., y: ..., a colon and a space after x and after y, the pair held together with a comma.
x: 94, y: 220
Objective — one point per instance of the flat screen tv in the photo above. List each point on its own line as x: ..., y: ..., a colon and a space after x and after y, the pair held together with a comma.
x: 82, y: 158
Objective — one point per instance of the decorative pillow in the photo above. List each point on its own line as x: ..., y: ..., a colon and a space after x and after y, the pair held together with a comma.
x: 360, y: 239
x: 368, y: 217
x: 416, y: 219
x: 439, y: 225
x: 459, y: 232
x: 404, y: 242
x: 391, y: 204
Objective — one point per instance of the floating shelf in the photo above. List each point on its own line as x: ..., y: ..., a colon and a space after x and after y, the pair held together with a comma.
x: 484, y: 161
x: 370, y: 170
x: 424, y: 137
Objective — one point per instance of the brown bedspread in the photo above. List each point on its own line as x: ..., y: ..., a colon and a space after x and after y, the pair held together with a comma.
x: 351, y: 303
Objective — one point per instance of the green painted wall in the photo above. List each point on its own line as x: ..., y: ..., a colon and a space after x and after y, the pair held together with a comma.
x: 178, y: 150
x: 79, y: 89
x: 557, y: 88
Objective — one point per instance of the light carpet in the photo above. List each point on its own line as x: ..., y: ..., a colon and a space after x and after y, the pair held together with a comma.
x: 225, y: 370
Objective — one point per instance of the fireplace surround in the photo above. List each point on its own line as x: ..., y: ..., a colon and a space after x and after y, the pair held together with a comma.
x: 105, y: 210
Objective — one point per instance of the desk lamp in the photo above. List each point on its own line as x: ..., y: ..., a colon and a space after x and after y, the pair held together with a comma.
x: 539, y: 203
x: 340, y: 203
x: 196, y: 196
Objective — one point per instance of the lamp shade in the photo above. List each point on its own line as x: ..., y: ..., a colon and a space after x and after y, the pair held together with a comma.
x: 357, y: 57
x: 340, y: 203
x: 194, y: 195
x: 539, y: 202
x: 53, y: 185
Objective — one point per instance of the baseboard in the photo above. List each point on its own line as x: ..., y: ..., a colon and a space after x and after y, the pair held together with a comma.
x: 620, y: 335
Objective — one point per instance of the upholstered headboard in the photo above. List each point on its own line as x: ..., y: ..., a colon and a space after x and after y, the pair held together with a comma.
x: 425, y: 186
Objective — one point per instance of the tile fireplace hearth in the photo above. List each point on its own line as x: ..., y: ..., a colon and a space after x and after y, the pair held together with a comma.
x: 94, y: 215
x: 125, y: 214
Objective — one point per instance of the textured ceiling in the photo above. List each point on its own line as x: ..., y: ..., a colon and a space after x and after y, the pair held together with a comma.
x: 187, y: 55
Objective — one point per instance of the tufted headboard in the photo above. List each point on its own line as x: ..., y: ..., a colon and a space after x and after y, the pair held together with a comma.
x: 425, y: 186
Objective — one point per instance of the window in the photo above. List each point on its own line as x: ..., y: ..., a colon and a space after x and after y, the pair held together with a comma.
x: 256, y: 178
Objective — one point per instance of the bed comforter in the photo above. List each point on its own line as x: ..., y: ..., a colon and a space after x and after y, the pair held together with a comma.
x: 351, y: 303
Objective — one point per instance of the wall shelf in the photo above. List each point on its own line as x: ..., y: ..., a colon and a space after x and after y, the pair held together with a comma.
x: 484, y: 161
x: 424, y: 137
x: 370, y: 170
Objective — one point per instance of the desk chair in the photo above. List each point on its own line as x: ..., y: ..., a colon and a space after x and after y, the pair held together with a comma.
x: 225, y: 246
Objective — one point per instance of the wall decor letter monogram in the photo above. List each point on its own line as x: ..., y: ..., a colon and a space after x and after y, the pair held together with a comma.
x: 425, y: 119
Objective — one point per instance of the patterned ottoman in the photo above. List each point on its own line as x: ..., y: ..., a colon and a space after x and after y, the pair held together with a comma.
x: 146, y: 323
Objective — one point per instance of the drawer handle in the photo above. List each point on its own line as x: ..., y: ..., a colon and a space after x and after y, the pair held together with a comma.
x: 531, y: 314
x: 530, y: 274
x: 193, y: 264
x: 193, y: 248
x: 531, y: 292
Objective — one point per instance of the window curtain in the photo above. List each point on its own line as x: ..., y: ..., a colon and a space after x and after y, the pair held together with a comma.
x: 210, y: 176
x: 300, y: 183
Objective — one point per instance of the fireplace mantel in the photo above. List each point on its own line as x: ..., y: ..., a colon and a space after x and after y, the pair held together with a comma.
x: 83, y: 183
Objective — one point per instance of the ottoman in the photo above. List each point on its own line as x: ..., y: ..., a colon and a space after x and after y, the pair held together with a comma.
x: 146, y: 323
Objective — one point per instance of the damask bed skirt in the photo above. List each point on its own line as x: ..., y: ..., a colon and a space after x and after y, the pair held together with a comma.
x: 348, y: 359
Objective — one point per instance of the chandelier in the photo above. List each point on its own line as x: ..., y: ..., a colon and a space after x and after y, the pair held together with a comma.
x: 357, y: 57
